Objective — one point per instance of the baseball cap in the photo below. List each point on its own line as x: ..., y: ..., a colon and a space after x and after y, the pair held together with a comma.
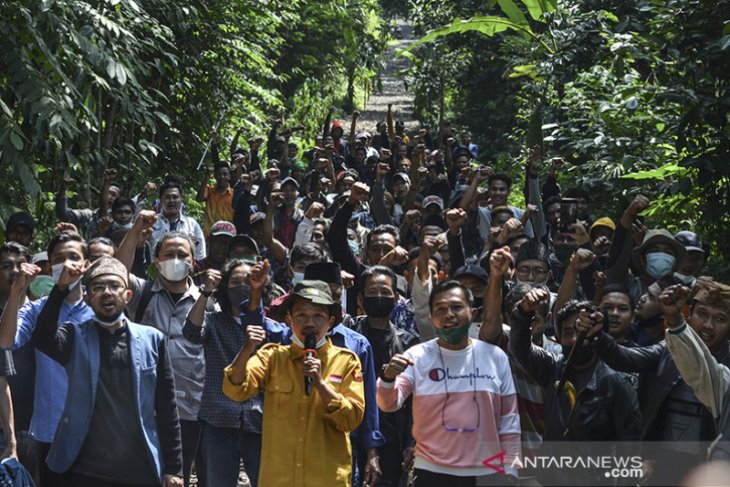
x: 405, y: 177
x: 432, y: 200
x: 602, y: 222
x: 40, y: 257
x: 328, y: 272
x: 223, y: 227
x: 691, y: 242
x: 475, y: 271
x: 20, y: 218
x: 246, y: 241
x: 290, y: 180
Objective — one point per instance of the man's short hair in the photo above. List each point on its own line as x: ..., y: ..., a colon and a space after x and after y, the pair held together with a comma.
x: 308, y: 251
x: 16, y: 248
x: 615, y: 287
x: 378, y: 270
x: 171, y: 184
x: 569, y: 309
x: 500, y: 176
x: 123, y: 201
x: 518, y: 293
x: 380, y: 229
x: 103, y: 241
x: 67, y: 236
x: 170, y: 236
x: 442, y: 287
x: 550, y: 202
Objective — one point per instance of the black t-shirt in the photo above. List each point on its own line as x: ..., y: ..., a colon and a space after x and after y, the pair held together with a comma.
x: 115, y: 440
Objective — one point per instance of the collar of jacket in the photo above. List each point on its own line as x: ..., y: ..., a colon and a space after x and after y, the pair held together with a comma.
x: 296, y: 352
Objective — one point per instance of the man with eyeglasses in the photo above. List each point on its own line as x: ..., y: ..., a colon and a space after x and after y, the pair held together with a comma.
x: 120, y: 423
x: 531, y: 263
x: 465, y: 414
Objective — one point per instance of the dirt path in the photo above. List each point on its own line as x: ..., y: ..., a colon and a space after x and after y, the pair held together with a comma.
x: 394, y: 88
x: 395, y: 92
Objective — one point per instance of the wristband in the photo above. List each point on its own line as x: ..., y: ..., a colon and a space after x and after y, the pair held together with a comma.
x: 382, y: 374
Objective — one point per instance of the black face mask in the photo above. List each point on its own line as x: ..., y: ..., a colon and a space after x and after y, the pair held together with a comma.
x: 378, y: 306
x: 582, y: 356
x: 648, y: 323
x: 238, y: 294
x: 478, y: 303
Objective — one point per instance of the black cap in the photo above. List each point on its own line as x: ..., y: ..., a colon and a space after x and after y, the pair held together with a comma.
x: 691, y: 242
x: 245, y: 240
x: 328, y: 272
x: 290, y: 180
x: 20, y: 218
x: 434, y: 221
x: 475, y: 271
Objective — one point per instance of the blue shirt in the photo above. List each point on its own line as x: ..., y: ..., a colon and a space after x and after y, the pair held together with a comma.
x: 367, y: 435
x: 51, y: 381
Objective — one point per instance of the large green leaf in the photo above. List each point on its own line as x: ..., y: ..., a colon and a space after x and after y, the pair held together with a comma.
x: 539, y: 7
x: 488, y: 25
x: 513, y: 12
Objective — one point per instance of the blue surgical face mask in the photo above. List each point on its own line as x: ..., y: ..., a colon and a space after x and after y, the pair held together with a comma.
x: 354, y: 246
x: 296, y: 278
x: 688, y: 281
x: 659, y: 264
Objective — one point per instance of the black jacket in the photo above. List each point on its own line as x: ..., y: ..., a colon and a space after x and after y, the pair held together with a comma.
x: 396, y: 426
x: 659, y: 375
x: 607, y: 409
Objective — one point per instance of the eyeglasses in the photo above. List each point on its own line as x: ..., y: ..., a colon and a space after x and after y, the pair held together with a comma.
x: 113, y: 287
x: 535, y: 271
x: 474, y: 397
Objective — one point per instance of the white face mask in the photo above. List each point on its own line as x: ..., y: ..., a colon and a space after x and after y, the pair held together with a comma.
x: 296, y: 278
x: 126, y: 226
x: 57, y: 270
x: 108, y: 324
x: 174, y: 270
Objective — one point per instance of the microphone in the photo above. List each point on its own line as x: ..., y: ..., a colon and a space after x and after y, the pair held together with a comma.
x: 310, y: 350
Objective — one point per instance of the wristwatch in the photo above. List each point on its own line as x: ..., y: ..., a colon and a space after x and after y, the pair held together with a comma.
x: 382, y: 374
x: 205, y: 292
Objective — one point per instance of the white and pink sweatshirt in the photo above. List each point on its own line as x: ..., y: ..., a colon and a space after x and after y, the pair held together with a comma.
x: 480, y: 371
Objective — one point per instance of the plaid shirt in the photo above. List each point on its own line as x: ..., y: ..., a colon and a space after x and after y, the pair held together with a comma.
x: 222, y: 338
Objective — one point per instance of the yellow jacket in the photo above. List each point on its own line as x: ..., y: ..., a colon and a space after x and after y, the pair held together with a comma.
x: 305, y: 443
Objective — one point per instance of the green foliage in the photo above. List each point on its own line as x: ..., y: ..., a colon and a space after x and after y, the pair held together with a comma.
x: 87, y: 85
x: 633, y: 94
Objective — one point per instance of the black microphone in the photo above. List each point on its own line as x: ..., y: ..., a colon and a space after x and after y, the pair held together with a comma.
x: 310, y: 350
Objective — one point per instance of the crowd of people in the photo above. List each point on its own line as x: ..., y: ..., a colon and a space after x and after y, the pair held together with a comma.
x: 370, y: 311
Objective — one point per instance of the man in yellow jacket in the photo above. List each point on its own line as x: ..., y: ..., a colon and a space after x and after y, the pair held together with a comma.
x: 305, y: 436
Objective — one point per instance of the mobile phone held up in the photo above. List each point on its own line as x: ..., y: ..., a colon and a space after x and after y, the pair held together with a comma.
x: 568, y: 213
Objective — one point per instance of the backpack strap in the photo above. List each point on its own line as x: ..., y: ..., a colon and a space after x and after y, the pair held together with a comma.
x: 144, y: 301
